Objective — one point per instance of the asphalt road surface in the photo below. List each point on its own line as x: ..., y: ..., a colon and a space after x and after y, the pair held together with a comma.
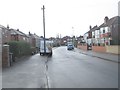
x: 65, y: 69
x: 70, y: 69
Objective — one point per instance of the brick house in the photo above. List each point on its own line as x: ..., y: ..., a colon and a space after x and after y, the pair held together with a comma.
x: 85, y: 36
x: 105, y: 34
x: 12, y: 35
x: 80, y: 39
x: 17, y: 35
x: 6, y: 34
x: 109, y: 31
x: 88, y: 36
x: 37, y: 38
x: 95, y: 35
x: 34, y: 41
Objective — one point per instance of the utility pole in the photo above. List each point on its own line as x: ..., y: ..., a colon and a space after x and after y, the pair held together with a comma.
x: 44, y: 27
x: 73, y: 36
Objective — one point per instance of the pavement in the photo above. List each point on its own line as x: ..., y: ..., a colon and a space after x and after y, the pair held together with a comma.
x: 26, y: 72
x: 104, y: 56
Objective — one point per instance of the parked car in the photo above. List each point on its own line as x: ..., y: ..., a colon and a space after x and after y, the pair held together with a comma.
x: 70, y: 47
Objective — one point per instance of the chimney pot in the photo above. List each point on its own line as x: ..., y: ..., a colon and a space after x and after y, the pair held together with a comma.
x: 106, y: 20
x: 8, y: 26
x: 90, y: 27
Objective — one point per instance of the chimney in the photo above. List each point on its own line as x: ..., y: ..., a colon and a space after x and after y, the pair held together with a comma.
x: 90, y: 27
x: 29, y: 33
x: 7, y: 26
x: 106, y: 20
x: 17, y: 29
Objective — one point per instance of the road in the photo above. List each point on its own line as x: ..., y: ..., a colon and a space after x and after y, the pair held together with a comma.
x: 65, y: 69
x: 70, y: 69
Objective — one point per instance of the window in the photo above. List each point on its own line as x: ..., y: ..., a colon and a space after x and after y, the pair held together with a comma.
x: 24, y: 38
x: 103, y: 31
x: 109, y: 29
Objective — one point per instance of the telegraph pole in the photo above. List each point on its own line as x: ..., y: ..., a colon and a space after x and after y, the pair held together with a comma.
x: 44, y: 27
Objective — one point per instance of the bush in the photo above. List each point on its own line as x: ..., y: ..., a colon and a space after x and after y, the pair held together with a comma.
x: 19, y: 48
x: 33, y: 50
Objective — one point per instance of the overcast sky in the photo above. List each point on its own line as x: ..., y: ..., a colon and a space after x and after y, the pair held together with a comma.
x: 65, y: 17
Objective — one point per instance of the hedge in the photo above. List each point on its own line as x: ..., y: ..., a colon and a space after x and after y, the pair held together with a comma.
x: 19, y: 48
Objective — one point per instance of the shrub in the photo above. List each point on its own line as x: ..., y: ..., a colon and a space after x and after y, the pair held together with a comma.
x: 19, y: 48
x: 32, y: 50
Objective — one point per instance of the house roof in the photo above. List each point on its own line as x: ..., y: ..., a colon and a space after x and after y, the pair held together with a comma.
x: 1, y: 26
x: 22, y: 33
x: 33, y: 35
x: 95, y: 28
x: 114, y: 20
x: 14, y: 32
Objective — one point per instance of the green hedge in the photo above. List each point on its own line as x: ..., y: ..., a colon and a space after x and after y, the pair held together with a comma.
x: 19, y: 48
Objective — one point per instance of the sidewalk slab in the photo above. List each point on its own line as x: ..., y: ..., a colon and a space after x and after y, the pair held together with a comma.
x: 26, y: 72
x: 105, y: 56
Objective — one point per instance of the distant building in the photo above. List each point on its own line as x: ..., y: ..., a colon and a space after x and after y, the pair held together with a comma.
x: 80, y: 39
x: 34, y: 40
x: 65, y: 39
x: 85, y: 36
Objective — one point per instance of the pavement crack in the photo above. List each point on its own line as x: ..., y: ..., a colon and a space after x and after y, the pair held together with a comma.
x: 47, y: 85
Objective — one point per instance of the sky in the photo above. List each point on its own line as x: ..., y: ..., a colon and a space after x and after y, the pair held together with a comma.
x: 62, y: 17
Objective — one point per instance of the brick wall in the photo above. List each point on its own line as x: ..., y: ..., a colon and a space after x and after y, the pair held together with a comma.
x: 0, y: 49
x: 99, y: 48
x: 6, y: 37
x: 0, y: 69
x: 115, y: 49
x: 5, y: 56
x: 83, y: 47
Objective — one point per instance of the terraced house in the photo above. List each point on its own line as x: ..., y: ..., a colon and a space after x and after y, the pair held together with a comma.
x: 107, y: 35
x: 6, y: 34
x: 17, y: 35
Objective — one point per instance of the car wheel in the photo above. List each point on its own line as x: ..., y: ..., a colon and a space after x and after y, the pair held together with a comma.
x: 40, y: 53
